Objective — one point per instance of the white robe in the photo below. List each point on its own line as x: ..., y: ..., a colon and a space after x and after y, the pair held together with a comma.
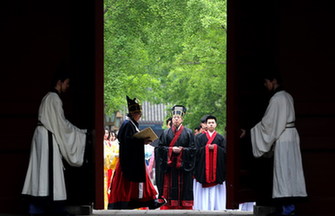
x: 68, y: 143
x: 209, y: 198
x: 273, y: 132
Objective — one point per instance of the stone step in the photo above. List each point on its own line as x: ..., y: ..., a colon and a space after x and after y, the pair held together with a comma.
x: 88, y: 210
x: 169, y: 213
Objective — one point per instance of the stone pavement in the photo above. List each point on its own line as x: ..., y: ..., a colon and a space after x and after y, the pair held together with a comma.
x: 169, y: 213
x: 87, y: 210
x: 157, y: 213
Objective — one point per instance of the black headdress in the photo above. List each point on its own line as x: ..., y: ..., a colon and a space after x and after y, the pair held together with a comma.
x: 133, y: 105
x: 178, y: 110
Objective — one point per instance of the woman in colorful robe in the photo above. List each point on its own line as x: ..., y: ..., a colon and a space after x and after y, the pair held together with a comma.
x: 111, y: 156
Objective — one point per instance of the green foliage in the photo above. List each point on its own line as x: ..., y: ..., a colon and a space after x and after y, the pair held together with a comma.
x: 167, y: 51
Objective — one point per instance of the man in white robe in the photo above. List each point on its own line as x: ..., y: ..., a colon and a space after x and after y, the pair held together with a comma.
x: 276, y: 132
x: 67, y: 141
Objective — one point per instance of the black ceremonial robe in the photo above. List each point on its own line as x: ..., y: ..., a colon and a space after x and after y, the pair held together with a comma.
x: 200, y: 166
x: 131, y: 186
x: 131, y: 152
x: 174, y: 172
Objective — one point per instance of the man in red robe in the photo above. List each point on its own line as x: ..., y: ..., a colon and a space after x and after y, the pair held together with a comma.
x: 175, y: 157
x: 210, y: 169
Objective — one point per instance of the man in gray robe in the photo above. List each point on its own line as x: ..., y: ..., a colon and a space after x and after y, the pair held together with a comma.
x: 276, y: 132
x: 54, y: 139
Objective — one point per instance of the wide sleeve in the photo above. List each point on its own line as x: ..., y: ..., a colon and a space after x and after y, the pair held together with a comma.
x: 199, y: 173
x: 268, y: 130
x: 221, y: 159
x: 70, y: 139
x: 189, y: 151
x: 161, y: 160
x: 161, y: 151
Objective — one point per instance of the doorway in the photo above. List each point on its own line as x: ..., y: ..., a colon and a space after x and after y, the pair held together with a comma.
x: 166, y: 53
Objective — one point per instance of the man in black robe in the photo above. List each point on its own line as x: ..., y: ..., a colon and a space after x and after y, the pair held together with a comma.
x: 210, y: 169
x: 131, y: 186
x: 175, y: 157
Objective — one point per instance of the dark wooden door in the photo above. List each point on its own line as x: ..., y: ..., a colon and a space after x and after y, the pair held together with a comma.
x: 297, y: 39
x: 252, y: 46
x: 35, y: 37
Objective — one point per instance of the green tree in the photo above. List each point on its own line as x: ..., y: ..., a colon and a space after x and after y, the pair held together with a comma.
x: 127, y: 64
x: 167, y: 51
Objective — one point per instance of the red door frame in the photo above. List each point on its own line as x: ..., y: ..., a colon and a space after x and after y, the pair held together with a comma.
x: 99, y: 105
x: 232, y: 117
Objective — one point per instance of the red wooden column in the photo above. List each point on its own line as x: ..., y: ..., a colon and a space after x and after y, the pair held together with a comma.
x: 99, y: 106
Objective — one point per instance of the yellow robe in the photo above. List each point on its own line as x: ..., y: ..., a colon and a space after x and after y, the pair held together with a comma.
x: 111, y: 157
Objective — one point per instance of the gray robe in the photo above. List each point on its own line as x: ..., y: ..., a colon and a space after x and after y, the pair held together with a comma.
x: 68, y: 143
x: 276, y: 132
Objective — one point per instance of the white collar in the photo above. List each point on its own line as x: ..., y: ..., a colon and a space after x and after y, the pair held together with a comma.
x: 138, y: 130
x: 211, y: 133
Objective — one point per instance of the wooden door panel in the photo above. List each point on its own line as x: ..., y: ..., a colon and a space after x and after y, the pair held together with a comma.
x: 35, y: 37
x: 278, y: 34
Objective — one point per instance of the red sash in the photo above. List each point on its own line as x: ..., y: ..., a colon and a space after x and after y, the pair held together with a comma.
x: 178, y: 159
x: 211, y: 161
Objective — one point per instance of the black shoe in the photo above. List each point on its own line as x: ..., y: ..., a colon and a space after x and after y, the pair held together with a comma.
x: 157, y: 203
x: 61, y: 214
x: 280, y: 214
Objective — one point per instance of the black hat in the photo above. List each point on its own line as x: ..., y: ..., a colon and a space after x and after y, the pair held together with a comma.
x: 204, y: 118
x: 133, y: 105
x: 178, y: 110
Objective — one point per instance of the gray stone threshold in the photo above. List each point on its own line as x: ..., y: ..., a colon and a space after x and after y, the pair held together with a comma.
x: 169, y: 212
x: 155, y: 213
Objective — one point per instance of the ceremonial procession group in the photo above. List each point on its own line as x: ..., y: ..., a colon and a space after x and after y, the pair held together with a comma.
x: 190, y: 170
